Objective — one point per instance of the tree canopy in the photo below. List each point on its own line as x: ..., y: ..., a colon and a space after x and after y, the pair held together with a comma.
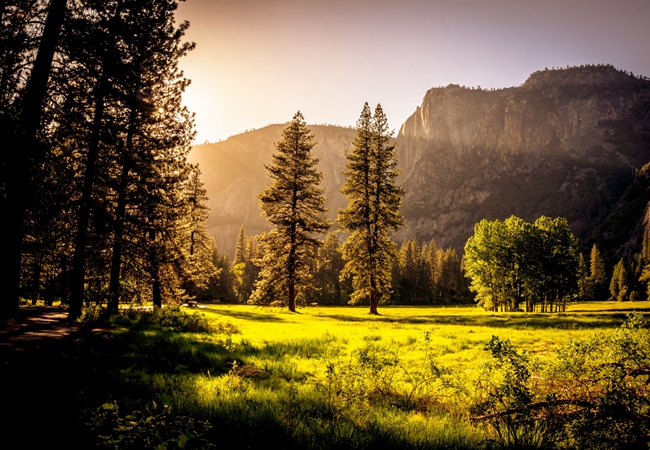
x: 293, y: 204
x: 513, y: 262
x: 373, y: 210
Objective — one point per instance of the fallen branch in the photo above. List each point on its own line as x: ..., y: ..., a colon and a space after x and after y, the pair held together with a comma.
x: 534, y: 406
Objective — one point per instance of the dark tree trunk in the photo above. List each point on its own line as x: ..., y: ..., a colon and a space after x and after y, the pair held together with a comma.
x: 36, y: 278
x: 64, y: 281
x: 120, y: 217
x: 373, y: 295
x: 116, y: 260
x: 27, y: 152
x: 292, y: 296
x: 157, y: 296
x: 77, y: 281
x: 155, y: 272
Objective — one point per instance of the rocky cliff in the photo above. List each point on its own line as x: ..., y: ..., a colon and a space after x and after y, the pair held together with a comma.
x: 565, y: 143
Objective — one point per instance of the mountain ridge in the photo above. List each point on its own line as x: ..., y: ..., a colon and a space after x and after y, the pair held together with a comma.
x: 565, y: 143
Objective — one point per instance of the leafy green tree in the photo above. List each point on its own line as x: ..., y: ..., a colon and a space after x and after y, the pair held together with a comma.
x: 642, y: 267
x: 513, y: 262
x: 559, y: 262
x: 373, y: 210
x: 293, y: 204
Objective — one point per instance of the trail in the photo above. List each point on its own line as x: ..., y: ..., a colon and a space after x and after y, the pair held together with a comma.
x: 37, y: 325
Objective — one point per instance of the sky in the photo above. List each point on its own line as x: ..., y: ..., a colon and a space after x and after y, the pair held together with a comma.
x: 258, y: 62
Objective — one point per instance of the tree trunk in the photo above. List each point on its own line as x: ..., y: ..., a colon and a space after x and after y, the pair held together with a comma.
x: 116, y: 259
x: 36, y: 278
x: 373, y: 295
x: 155, y: 272
x: 157, y: 296
x: 292, y: 296
x: 120, y: 217
x: 28, y: 152
x: 77, y: 281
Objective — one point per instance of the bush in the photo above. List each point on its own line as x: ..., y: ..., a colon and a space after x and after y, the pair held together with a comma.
x: 171, y: 319
x: 155, y: 428
x: 595, y: 395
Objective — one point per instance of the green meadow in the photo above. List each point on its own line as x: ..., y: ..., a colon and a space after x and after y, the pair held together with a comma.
x: 324, y: 377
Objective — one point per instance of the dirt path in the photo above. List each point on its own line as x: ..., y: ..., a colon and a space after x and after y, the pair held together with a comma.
x: 37, y: 325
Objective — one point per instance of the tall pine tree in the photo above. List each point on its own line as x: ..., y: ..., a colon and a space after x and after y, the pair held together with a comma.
x: 373, y: 210
x: 292, y: 203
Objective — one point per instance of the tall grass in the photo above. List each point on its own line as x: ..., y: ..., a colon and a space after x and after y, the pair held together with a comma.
x: 323, y: 378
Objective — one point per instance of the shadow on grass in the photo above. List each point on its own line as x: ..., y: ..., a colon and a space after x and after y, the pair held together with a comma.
x: 589, y: 320
x: 254, y: 316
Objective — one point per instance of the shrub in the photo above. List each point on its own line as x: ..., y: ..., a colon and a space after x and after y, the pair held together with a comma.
x: 155, y: 428
x: 171, y: 319
x: 595, y: 395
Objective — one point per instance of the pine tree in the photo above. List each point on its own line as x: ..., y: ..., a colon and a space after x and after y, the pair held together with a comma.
x: 618, y: 286
x: 373, y: 210
x: 597, y: 273
x: 292, y: 203
x: 329, y: 289
x: 21, y: 106
x: 240, y: 247
x: 585, y: 286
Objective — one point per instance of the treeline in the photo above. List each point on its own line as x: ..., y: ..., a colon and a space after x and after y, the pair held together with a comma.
x: 421, y: 275
x: 515, y: 265
x: 628, y: 280
x: 98, y: 202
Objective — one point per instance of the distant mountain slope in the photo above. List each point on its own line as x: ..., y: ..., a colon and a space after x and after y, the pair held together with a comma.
x: 565, y: 143
x: 233, y: 173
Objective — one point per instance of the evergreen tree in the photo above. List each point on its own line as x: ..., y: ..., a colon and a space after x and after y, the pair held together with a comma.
x: 292, y: 203
x: 585, y: 287
x: 597, y: 272
x: 373, y: 210
x: 220, y: 285
x: 240, y: 247
x: 328, y: 288
x: 618, y: 286
x: 21, y: 112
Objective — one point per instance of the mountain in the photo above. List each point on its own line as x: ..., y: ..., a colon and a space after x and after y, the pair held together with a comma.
x: 565, y: 143
x: 568, y: 142
x: 233, y: 173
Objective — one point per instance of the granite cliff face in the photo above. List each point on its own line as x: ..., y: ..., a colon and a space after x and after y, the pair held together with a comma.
x: 233, y: 173
x: 565, y: 143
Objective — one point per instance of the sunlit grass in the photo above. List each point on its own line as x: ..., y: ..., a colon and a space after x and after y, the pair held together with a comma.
x: 324, y: 377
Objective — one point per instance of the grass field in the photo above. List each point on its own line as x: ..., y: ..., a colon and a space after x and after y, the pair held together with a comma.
x: 325, y: 377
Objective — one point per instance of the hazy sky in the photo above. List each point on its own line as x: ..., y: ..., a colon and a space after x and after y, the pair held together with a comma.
x: 259, y: 61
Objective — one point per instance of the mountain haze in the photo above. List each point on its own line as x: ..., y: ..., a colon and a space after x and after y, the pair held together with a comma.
x: 565, y: 143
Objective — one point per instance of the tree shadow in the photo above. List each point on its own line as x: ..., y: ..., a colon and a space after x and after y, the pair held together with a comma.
x: 589, y: 320
x: 254, y: 316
